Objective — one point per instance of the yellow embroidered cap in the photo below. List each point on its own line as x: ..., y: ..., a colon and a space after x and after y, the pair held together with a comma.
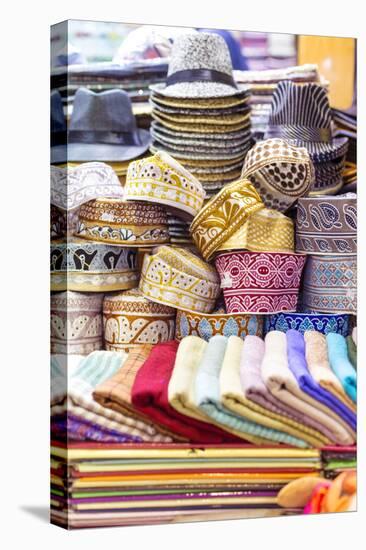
x: 264, y: 231
x: 223, y: 215
x: 161, y: 179
x: 178, y: 278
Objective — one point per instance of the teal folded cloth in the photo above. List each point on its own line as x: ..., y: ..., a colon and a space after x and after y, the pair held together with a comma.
x: 341, y: 365
x: 207, y: 398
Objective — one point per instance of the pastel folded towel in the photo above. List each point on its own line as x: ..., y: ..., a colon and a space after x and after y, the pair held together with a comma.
x: 93, y: 370
x: 282, y: 383
x: 340, y: 364
x: 182, y: 382
x: 354, y: 335
x: 233, y: 399
x: 150, y: 396
x: 352, y: 351
x: 316, y: 351
x: 260, y: 399
x: 207, y: 396
x: 297, y: 364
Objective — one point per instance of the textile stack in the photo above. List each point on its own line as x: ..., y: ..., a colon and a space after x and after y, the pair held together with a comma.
x: 203, y: 308
x: 137, y: 484
x: 262, y: 85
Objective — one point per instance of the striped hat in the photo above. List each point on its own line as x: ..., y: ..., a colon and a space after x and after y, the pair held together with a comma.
x: 301, y: 115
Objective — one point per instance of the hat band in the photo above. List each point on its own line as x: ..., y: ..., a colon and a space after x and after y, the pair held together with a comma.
x: 304, y: 133
x: 108, y: 137
x: 201, y: 75
x: 58, y: 137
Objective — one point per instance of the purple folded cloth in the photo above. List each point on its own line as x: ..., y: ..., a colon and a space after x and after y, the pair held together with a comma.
x: 255, y: 389
x: 175, y: 496
x: 85, y: 430
x: 298, y: 366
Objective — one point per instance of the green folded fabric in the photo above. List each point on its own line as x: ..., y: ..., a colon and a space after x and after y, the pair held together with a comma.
x: 352, y: 351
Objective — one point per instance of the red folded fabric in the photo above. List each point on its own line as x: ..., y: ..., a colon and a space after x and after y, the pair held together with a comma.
x: 150, y: 396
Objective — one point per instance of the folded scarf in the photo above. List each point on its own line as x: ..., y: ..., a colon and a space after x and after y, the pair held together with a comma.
x: 316, y: 351
x: 115, y: 392
x: 282, y: 383
x: 354, y: 335
x: 207, y: 395
x: 322, y: 398
x: 76, y: 428
x: 260, y: 399
x: 150, y: 395
x: 257, y: 392
x: 340, y: 364
x: 233, y: 399
x: 93, y: 370
x: 352, y: 351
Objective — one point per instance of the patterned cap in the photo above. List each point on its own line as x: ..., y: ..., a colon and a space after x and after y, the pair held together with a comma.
x: 280, y: 172
x: 160, y: 179
x: 130, y: 320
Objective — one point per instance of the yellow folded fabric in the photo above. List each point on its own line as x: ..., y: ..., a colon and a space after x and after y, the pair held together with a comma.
x: 181, y: 386
x: 316, y: 350
x: 184, y: 452
x: 233, y: 398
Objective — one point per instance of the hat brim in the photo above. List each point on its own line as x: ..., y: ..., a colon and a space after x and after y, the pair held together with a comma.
x: 211, y: 137
x: 184, y: 154
x: 193, y: 90
x: 242, y: 108
x: 59, y: 154
x: 105, y: 152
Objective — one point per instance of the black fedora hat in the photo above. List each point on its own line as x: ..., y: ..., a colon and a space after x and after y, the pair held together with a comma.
x: 58, y: 129
x: 301, y: 114
x: 103, y: 128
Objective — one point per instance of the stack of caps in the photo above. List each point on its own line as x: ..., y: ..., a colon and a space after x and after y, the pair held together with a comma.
x: 259, y: 271
x: 301, y: 115
x: 130, y: 484
x: 326, y: 230
x: 346, y: 126
x: 162, y: 180
x: 200, y: 116
x: 262, y: 85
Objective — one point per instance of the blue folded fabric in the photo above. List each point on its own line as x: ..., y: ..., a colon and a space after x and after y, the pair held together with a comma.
x: 341, y: 365
x: 207, y: 398
x: 298, y: 366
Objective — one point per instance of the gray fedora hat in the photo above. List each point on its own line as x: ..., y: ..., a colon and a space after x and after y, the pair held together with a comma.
x: 200, y: 66
x: 103, y: 128
x: 58, y: 129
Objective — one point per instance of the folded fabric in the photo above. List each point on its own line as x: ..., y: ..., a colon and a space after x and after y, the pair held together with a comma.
x: 316, y: 351
x: 115, y: 392
x: 352, y: 350
x: 93, y: 370
x: 207, y: 395
x: 354, y: 335
x: 181, y: 384
x: 282, y: 383
x: 73, y: 427
x: 297, y: 364
x: 257, y: 393
x: 150, y: 395
x: 340, y: 364
x: 260, y: 399
x: 233, y: 399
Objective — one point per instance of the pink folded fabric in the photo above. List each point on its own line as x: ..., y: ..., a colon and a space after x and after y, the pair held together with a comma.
x: 256, y: 391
